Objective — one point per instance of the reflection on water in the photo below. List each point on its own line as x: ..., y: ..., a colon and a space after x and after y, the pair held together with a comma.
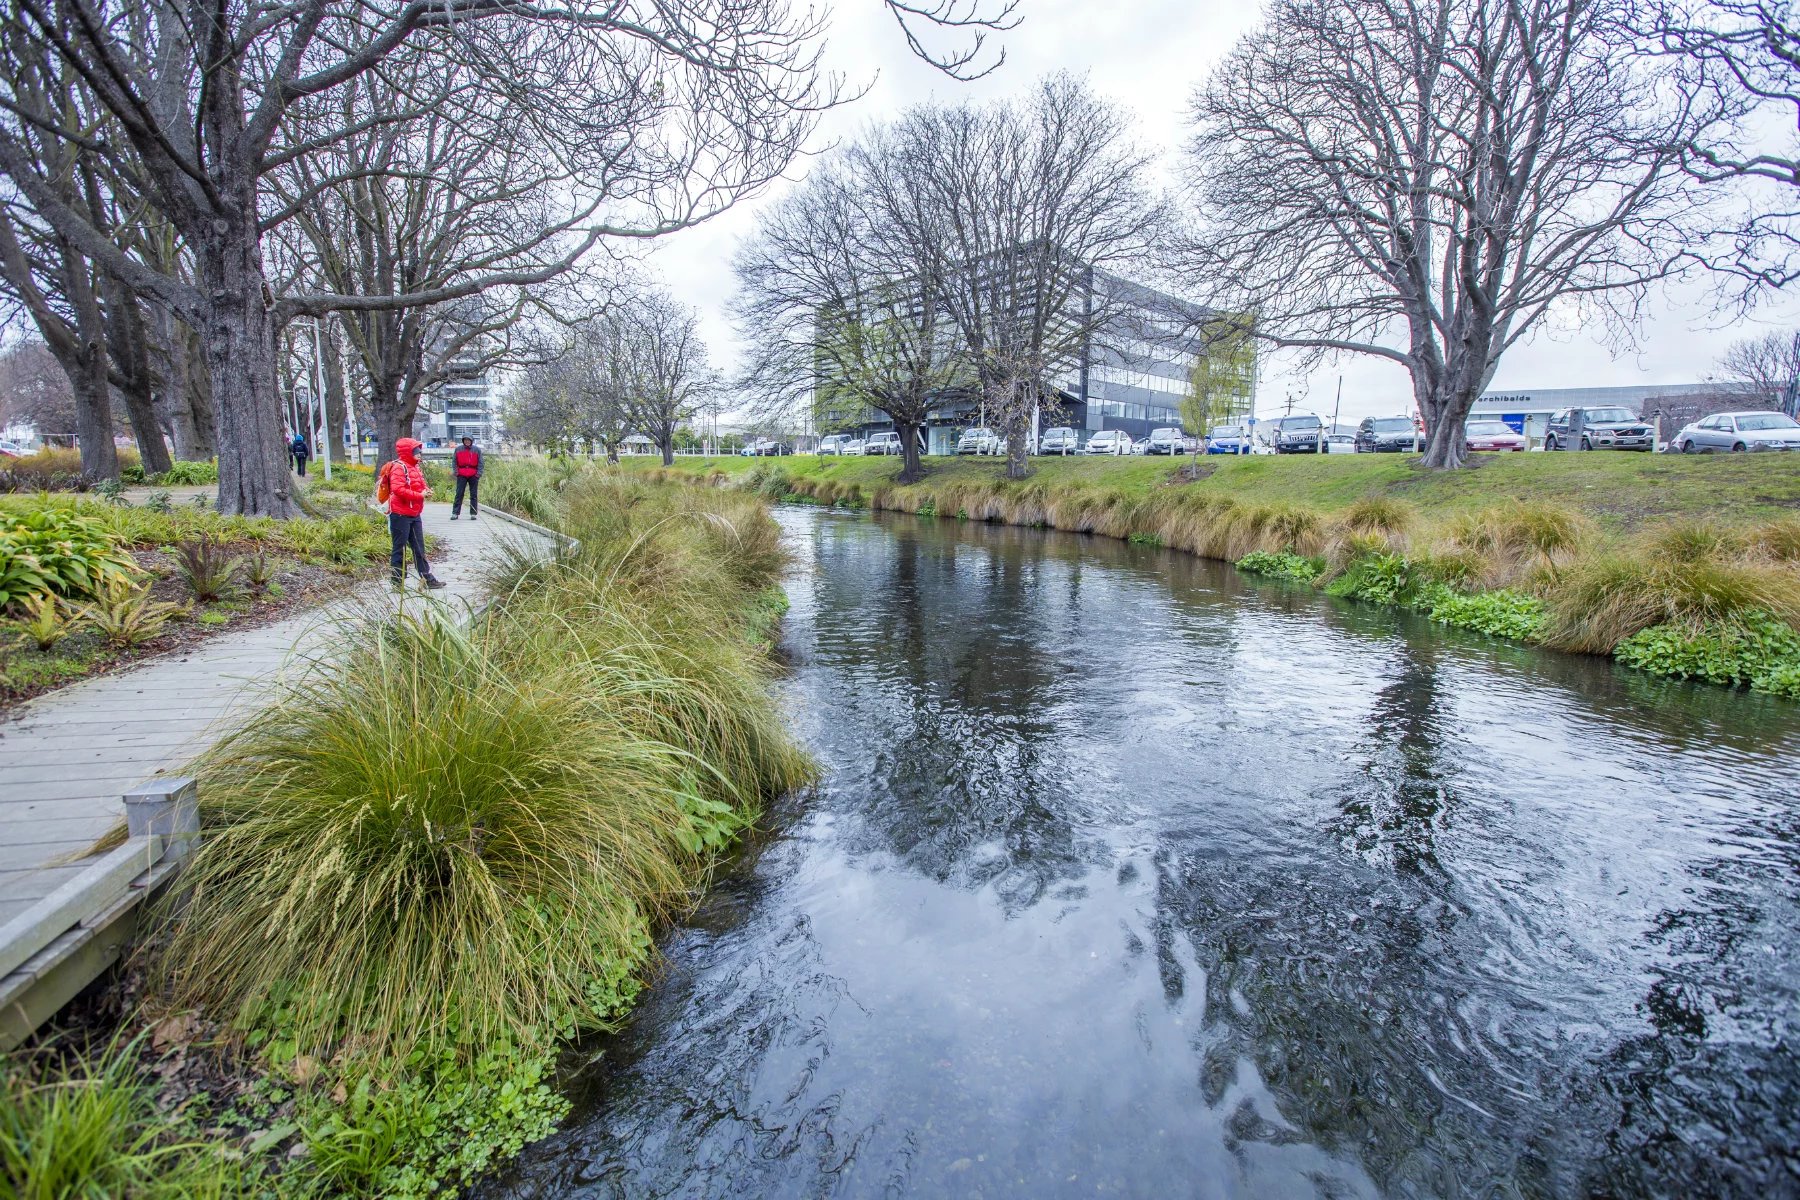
x: 1131, y: 877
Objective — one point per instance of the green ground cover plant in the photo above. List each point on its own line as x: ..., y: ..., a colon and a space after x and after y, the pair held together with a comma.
x: 1281, y: 565
x: 1755, y: 650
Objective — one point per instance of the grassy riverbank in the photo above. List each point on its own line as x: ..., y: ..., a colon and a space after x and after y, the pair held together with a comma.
x: 1618, y: 492
x: 432, y: 862
x: 1686, y: 567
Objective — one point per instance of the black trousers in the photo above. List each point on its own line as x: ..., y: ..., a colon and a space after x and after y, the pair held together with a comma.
x: 300, y: 464
x: 471, y: 484
x: 404, y: 532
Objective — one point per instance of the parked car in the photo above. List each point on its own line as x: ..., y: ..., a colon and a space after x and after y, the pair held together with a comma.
x: 1739, y: 432
x: 834, y: 443
x: 1059, y: 440
x: 1386, y: 435
x: 853, y: 446
x: 1340, y: 443
x: 765, y: 448
x: 1608, y: 428
x: 1167, y: 440
x: 1301, y: 433
x: 979, y: 440
x: 1108, y: 441
x: 1493, y: 435
x: 882, y: 443
x: 1141, y: 446
x: 11, y: 450
x: 1227, y: 439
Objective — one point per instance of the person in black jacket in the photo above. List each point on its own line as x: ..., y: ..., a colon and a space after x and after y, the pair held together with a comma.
x: 300, y: 452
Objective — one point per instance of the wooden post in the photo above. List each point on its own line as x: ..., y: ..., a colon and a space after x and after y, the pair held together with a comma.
x: 168, y: 808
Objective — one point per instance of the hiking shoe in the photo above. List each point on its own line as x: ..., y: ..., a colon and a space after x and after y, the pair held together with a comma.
x: 471, y: 516
x: 434, y: 583
x: 454, y: 517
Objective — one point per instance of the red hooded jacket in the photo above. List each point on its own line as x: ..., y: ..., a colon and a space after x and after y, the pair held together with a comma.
x: 406, y: 480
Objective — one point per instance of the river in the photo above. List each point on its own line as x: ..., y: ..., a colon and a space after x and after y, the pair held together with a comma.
x: 1132, y: 876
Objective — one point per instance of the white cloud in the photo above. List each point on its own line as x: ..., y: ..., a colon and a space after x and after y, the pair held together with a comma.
x: 1148, y: 55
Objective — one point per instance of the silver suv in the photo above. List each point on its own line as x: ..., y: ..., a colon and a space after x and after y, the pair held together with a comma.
x: 979, y: 440
x: 882, y: 443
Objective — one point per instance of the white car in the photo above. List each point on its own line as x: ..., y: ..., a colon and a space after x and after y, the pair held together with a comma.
x: 980, y: 440
x: 853, y: 446
x: 882, y: 443
x: 1738, y: 432
x: 1108, y: 441
x: 834, y: 443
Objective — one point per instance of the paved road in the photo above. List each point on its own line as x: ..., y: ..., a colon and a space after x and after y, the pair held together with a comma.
x: 67, y: 757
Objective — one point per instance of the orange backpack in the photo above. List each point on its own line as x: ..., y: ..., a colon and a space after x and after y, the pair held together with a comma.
x: 383, y: 490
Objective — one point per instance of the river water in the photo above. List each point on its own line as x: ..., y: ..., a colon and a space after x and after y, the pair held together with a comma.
x: 1131, y: 876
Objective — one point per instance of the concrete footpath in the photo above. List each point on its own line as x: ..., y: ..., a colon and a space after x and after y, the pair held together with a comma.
x: 67, y: 758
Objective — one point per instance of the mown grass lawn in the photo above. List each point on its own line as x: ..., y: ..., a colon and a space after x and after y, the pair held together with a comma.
x: 1619, y: 491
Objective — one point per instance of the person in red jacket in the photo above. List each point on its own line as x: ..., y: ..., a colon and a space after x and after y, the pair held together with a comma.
x: 406, y: 491
x: 466, y: 462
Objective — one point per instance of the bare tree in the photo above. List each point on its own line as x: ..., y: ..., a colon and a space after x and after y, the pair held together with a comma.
x: 34, y: 389
x: 412, y: 207
x: 693, y: 103
x: 1762, y: 370
x: 669, y: 380
x: 1429, y: 181
x: 1747, y: 52
x: 843, y: 307
x: 1019, y: 204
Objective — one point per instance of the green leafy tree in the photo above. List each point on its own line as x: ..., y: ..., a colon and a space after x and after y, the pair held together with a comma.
x: 1220, y: 383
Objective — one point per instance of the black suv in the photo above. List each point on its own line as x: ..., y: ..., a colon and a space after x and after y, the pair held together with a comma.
x: 1378, y: 435
x: 1300, y: 434
x: 1609, y: 428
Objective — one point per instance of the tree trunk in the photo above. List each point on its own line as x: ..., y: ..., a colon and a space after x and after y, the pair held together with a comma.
x: 1018, y: 422
x: 337, y: 396
x: 128, y: 344
x: 666, y: 444
x: 93, y: 414
x: 391, y: 424
x: 239, y: 336
x: 173, y: 403
x: 1445, y: 447
x: 911, y: 469
x: 197, y: 394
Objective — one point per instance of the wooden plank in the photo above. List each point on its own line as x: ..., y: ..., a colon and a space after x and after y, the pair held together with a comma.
x: 35, y: 884
x: 96, y: 886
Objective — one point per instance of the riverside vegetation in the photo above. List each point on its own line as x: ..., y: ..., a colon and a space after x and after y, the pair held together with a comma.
x: 1682, y: 568
x: 433, y: 863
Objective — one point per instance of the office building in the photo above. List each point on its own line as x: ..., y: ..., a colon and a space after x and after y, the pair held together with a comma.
x: 1131, y: 374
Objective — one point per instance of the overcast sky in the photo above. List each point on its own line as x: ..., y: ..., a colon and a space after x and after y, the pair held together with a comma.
x: 1147, y: 55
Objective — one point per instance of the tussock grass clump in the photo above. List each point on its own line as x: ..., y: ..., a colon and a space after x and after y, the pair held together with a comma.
x: 73, y: 1129
x: 1694, y: 541
x: 1380, y: 514
x: 1516, y: 541
x: 1778, y: 541
x: 1605, y: 598
x: 459, y: 830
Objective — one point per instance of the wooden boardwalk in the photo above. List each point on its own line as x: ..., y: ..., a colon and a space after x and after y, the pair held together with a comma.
x: 67, y: 758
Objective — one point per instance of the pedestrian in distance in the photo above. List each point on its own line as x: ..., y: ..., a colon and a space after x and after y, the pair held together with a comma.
x: 466, y: 462
x: 299, y: 451
x: 401, y: 486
